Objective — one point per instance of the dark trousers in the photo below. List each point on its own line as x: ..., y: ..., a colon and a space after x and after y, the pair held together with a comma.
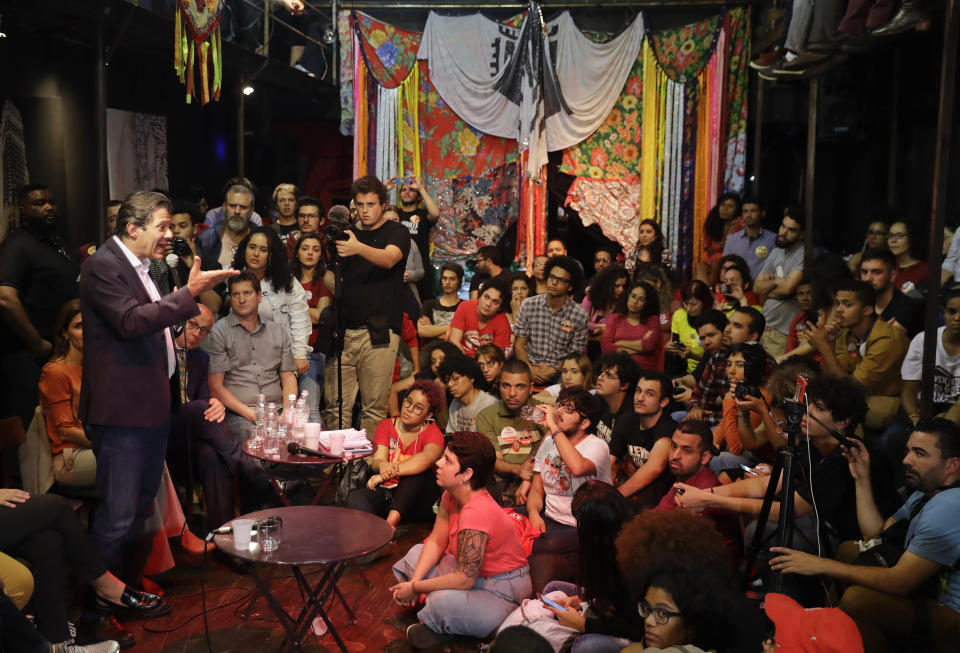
x: 413, y: 497
x: 129, y: 468
x: 16, y: 631
x: 45, y: 532
x: 218, y: 459
x: 554, y: 554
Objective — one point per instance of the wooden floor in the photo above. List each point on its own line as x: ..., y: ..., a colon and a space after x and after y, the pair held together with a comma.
x: 380, y: 624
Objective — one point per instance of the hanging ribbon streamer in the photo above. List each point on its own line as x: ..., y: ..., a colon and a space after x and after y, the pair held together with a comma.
x: 197, y: 26
x: 408, y: 132
x: 361, y: 114
x: 648, y: 148
x: 387, y: 130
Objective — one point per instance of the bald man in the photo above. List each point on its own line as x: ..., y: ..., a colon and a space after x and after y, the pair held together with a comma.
x: 216, y: 453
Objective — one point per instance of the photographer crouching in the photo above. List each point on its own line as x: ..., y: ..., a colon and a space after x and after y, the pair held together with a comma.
x: 372, y: 255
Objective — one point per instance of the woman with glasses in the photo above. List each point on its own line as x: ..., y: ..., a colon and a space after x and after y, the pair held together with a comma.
x: 911, y: 274
x: 407, y: 446
x: 635, y: 327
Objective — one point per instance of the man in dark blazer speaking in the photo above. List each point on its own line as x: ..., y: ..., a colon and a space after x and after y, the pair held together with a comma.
x: 125, y: 395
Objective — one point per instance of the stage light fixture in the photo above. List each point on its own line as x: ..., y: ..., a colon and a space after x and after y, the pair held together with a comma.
x: 248, y: 89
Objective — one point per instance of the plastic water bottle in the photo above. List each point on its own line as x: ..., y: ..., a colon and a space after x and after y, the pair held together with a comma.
x: 271, y: 441
x: 300, y: 416
x: 261, y: 410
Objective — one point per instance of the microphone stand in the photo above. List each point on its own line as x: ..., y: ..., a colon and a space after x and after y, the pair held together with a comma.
x: 188, y: 432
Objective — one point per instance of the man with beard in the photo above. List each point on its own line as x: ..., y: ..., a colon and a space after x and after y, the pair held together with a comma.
x: 489, y: 266
x: 878, y: 267
x: 778, y: 280
x: 913, y: 602
x: 217, y: 245
x: 36, y: 278
x: 753, y: 242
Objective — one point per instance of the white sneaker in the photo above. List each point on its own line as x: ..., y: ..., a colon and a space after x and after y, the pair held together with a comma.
x: 109, y: 646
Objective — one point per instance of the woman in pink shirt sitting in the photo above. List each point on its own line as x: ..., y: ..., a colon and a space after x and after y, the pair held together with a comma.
x: 471, y: 567
x: 635, y: 327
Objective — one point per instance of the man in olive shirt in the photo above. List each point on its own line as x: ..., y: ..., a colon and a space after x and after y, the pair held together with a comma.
x: 515, y: 439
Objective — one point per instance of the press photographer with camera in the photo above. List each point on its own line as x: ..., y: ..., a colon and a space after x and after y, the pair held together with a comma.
x: 371, y: 257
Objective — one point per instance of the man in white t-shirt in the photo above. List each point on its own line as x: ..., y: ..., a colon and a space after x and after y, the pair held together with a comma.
x: 569, y: 457
x: 946, y: 372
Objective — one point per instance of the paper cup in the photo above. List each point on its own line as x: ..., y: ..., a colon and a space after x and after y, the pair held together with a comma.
x: 336, y: 443
x: 311, y: 435
x: 241, y: 534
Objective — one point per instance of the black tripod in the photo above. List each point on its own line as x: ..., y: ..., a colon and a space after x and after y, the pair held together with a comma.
x: 783, y: 468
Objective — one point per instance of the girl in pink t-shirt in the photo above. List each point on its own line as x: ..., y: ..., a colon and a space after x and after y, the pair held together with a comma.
x: 471, y: 567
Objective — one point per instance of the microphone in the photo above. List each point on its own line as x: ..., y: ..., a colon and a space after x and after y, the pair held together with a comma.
x: 339, y: 215
x: 218, y: 531
x: 294, y: 448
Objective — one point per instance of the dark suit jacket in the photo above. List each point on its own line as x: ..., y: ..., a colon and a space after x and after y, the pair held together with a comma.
x: 198, y: 365
x: 125, y: 376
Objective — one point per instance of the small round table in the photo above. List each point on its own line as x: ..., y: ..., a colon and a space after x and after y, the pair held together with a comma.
x: 304, y: 463
x: 312, y: 535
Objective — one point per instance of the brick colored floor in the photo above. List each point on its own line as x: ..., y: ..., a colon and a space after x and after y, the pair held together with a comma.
x: 380, y: 622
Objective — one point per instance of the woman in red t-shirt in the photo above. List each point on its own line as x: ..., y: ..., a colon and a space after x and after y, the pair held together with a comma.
x: 472, y: 566
x: 482, y: 321
x: 308, y: 267
x: 635, y: 327
x: 407, y: 446
x: 911, y: 273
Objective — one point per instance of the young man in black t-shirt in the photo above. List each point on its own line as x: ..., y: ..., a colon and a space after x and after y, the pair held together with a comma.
x: 640, y: 447
x: 616, y: 381
x: 418, y: 213
x: 373, y: 258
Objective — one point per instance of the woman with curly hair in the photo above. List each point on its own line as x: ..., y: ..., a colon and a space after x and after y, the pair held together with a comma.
x: 635, y: 327
x: 601, y: 302
x: 308, y: 267
x: 407, y: 446
x: 284, y: 301
x: 679, y: 571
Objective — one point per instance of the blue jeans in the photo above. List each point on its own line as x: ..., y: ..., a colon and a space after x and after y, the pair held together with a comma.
x: 129, y: 467
x: 312, y: 382
x: 475, y: 612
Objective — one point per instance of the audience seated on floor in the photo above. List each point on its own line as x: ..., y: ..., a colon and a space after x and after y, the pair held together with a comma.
x: 616, y: 381
x: 745, y: 402
x: 710, y: 327
x: 471, y: 567
x: 570, y: 456
x: 576, y: 370
x: 684, y: 352
x: 482, y: 321
x: 904, y: 594
x: 515, y: 437
x: 856, y: 344
x: 463, y: 377
x: 491, y: 358
x: 407, y: 447
x: 634, y: 328
x: 878, y: 268
x: 640, y: 446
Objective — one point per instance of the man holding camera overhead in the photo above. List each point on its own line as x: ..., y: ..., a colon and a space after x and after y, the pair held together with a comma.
x: 372, y: 255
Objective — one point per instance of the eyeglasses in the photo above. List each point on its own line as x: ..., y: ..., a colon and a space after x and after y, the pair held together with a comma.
x: 554, y: 277
x: 196, y: 327
x: 569, y: 409
x: 416, y: 409
x: 486, y: 365
x: 607, y: 374
x: 900, y: 234
x: 600, y: 260
x: 660, y: 615
x: 454, y: 378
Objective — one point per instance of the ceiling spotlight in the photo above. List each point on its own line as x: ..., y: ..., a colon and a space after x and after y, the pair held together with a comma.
x: 329, y: 36
x: 248, y: 89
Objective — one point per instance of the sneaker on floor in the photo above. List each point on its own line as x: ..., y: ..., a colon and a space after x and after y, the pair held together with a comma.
x: 69, y: 646
x: 420, y: 637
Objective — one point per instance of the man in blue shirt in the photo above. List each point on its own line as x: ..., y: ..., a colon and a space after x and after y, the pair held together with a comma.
x: 914, y: 604
x: 753, y: 242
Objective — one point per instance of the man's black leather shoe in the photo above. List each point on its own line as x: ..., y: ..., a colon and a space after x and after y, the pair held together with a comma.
x: 137, y: 604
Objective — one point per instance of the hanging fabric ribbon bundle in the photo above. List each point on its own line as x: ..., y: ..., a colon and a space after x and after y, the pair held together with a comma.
x: 197, y: 45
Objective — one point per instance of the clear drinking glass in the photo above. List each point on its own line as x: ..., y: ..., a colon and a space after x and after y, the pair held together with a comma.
x: 271, y: 444
x: 270, y: 533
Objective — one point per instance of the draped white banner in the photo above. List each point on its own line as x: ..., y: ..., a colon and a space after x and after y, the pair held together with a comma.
x: 503, y: 81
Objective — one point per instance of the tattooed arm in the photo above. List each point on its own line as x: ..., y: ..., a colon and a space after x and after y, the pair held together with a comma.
x: 471, y: 545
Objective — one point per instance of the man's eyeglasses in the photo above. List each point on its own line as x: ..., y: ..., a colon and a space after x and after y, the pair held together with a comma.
x: 416, y: 409
x: 660, y: 615
x: 569, y: 409
x: 196, y: 327
x: 901, y: 234
x: 607, y: 374
x: 554, y: 277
